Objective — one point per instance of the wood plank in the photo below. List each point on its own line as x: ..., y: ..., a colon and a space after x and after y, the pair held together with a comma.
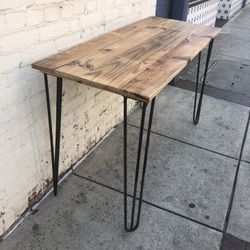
x: 101, y: 67
x: 114, y: 51
x: 120, y: 71
x: 149, y: 83
x: 137, y: 61
x: 94, y: 45
x: 121, y: 62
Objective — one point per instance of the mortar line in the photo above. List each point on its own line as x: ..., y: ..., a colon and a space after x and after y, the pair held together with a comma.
x: 150, y: 203
x: 190, y: 144
x: 236, y: 176
x: 230, y: 205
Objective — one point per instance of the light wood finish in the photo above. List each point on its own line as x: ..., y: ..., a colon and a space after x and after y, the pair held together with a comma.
x: 136, y: 61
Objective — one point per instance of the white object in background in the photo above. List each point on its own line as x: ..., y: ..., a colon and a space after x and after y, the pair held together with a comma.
x: 204, y: 13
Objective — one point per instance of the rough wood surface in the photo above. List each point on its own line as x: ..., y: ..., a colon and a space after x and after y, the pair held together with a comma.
x: 136, y: 61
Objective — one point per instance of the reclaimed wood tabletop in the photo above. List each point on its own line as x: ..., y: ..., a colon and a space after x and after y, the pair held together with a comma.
x: 136, y: 61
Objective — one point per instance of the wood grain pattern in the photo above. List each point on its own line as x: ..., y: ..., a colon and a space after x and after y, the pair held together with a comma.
x: 136, y: 61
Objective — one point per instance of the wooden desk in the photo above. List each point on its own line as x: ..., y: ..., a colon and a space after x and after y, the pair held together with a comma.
x: 137, y: 62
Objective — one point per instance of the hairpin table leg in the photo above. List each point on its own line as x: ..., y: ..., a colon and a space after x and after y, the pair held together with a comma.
x: 197, y: 110
x: 134, y: 224
x: 54, y: 153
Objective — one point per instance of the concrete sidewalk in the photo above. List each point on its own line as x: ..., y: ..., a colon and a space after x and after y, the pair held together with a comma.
x: 191, y: 177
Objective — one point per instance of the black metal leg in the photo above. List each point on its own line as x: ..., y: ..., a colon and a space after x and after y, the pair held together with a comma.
x: 54, y: 153
x: 197, y: 110
x: 134, y: 225
x: 197, y: 85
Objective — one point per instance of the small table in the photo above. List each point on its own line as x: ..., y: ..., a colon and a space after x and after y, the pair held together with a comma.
x: 136, y: 61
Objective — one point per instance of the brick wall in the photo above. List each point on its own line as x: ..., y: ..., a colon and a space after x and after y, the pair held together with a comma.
x: 31, y: 30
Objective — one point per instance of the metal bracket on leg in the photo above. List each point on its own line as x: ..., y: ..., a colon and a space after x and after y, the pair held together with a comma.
x: 54, y: 152
x: 134, y: 224
x: 197, y: 110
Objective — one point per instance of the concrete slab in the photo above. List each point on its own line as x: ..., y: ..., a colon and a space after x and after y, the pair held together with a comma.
x: 231, y: 76
x: 234, y: 40
x: 221, y: 126
x: 242, y: 19
x: 86, y: 216
x: 232, y: 47
x: 236, y: 32
x: 240, y: 215
x: 184, y: 179
x: 189, y: 73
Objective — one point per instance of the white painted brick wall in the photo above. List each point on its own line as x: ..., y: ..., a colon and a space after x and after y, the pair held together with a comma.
x: 52, y: 13
x: 15, y: 20
x: 29, y: 31
x: 18, y: 40
x: 34, y: 17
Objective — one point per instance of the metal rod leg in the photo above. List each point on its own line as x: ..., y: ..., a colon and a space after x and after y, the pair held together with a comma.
x: 133, y: 226
x: 196, y: 112
x: 197, y: 85
x: 49, y: 121
x: 144, y: 106
x: 125, y: 124
x: 58, y: 131
x: 54, y: 153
